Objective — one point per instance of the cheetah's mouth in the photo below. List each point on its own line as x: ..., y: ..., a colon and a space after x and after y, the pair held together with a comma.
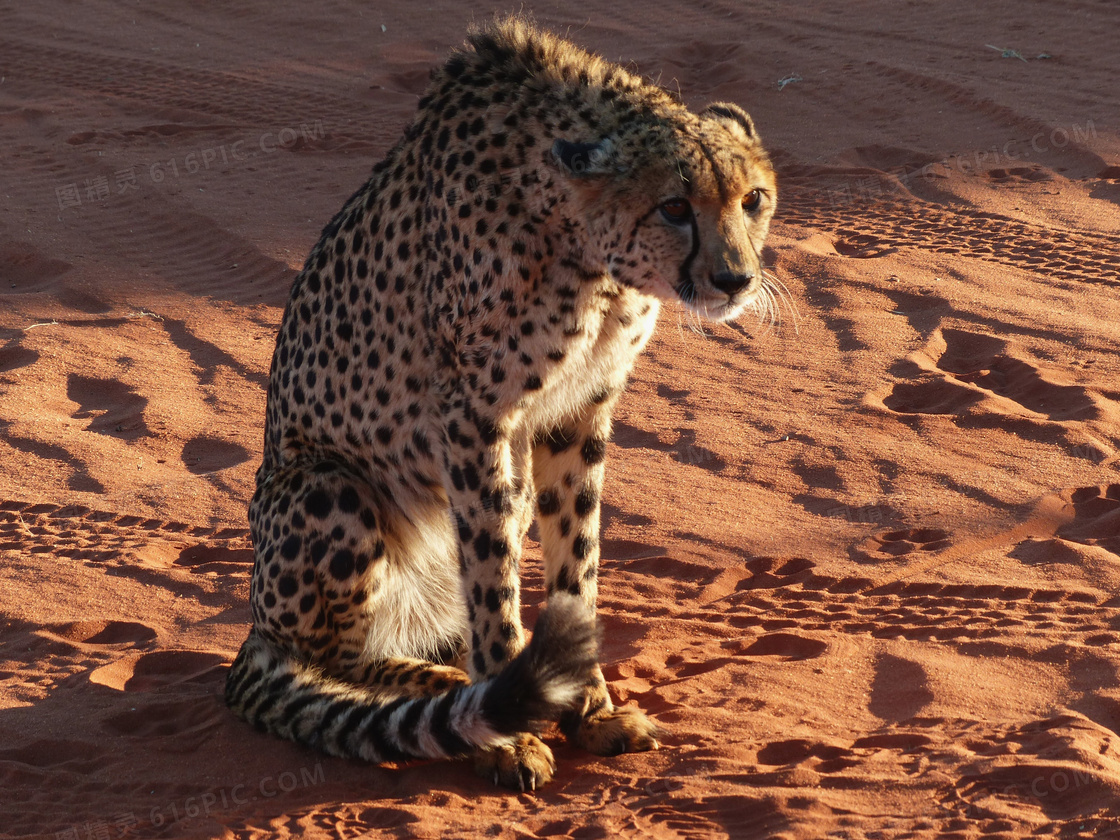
x: 760, y: 297
x: 713, y: 305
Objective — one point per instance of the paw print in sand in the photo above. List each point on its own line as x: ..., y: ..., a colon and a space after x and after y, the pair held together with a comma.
x: 901, y: 543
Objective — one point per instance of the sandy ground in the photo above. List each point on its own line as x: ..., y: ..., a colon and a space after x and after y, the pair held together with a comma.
x: 864, y: 567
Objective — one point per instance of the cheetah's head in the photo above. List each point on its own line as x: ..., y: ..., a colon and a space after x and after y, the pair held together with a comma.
x: 680, y: 207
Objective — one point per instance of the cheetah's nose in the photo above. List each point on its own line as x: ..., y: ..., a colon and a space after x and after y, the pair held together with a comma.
x: 729, y: 282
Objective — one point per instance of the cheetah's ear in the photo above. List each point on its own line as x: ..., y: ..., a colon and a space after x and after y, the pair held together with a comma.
x: 584, y: 159
x: 730, y: 112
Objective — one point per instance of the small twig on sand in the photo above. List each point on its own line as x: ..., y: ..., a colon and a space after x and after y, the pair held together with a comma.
x: 144, y: 313
x: 1004, y: 52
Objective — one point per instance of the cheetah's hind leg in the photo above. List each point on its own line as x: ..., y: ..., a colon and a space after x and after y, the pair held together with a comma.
x: 405, y: 677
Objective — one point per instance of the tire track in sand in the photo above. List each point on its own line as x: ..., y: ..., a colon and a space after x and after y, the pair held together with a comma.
x: 871, y: 229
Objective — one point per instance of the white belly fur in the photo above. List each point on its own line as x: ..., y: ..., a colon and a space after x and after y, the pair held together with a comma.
x: 419, y: 606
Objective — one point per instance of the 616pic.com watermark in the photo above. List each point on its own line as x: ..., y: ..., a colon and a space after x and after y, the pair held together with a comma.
x: 100, y: 188
x: 191, y: 807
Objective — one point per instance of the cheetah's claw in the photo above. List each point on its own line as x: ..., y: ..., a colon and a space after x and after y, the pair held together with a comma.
x: 526, y: 764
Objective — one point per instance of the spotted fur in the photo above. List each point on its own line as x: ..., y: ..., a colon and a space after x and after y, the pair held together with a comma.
x: 446, y: 367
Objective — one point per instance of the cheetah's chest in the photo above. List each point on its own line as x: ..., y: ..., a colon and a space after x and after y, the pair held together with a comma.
x: 596, y: 360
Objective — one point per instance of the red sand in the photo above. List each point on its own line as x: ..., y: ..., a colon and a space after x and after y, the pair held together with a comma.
x: 863, y: 567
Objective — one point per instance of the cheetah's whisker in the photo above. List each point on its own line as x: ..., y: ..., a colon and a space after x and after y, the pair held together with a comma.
x: 782, y: 293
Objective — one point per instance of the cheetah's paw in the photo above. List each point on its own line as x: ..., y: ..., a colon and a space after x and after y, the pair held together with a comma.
x: 620, y: 730
x: 526, y: 764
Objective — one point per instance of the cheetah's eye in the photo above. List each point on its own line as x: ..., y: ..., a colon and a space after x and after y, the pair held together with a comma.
x: 676, y: 210
x: 752, y: 201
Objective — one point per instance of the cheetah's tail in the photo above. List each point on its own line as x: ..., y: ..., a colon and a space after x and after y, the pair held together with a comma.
x: 280, y: 695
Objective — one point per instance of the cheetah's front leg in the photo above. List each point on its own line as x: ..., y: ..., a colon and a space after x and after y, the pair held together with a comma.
x: 568, y: 473
x: 486, y: 502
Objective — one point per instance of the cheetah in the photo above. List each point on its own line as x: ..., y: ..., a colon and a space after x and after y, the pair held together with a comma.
x: 446, y: 369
